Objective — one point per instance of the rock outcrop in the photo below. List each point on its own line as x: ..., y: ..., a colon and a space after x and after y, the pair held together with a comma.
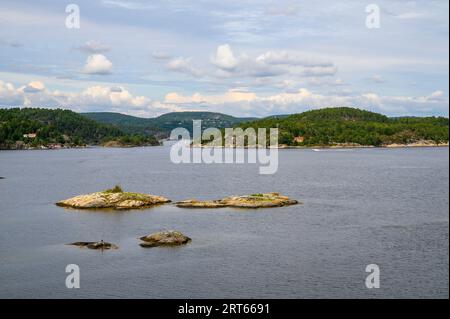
x: 164, y: 238
x: 193, y: 203
x: 95, y: 245
x: 113, y: 199
x: 245, y: 201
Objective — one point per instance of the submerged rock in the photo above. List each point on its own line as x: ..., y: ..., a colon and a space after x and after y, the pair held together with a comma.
x: 193, y: 203
x: 115, y: 199
x: 95, y: 245
x: 164, y: 238
x: 244, y: 201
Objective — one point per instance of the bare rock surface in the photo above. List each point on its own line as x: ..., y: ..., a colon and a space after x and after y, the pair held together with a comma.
x: 244, y: 201
x: 114, y: 199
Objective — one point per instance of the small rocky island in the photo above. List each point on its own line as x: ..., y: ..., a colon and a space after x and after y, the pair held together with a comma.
x: 244, y: 201
x: 164, y: 238
x: 94, y: 245
x: 114, y: 198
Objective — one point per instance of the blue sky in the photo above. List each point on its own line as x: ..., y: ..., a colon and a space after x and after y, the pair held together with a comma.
x: 245, y: 58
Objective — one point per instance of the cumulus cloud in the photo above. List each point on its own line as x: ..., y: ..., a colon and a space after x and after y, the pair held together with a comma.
x: 34, y: 86
x: 269, y: 64
x: 93, y: 47
x: 240, y: 102
x: 94, y: 98
x: 97, y: 64
x: 224, y: 58
x: 9, y: 95
x: 303, y: 99
x: 437, y: 96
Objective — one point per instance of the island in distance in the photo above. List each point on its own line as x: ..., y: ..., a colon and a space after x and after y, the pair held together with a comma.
x: 114, y: 198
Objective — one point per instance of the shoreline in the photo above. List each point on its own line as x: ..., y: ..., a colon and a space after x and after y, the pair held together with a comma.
x: 74, y: 147
x: 281, y: 147
x: 387, y: 146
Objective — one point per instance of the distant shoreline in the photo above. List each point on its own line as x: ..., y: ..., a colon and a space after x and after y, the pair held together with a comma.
x: 285, y: 147
x: 412, y: 145
x: 342, y: 146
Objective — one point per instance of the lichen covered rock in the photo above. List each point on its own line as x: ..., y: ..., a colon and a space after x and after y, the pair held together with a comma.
x: 113, y: 199
x: 244, y: 201
x: 193, y: 203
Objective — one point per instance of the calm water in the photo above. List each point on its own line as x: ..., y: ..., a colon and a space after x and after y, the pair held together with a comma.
x: 384, y: 206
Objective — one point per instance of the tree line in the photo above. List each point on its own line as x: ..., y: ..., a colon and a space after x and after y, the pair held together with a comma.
x: 35, y: 127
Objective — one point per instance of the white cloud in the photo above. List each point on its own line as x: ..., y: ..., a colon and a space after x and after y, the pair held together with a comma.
x: 269, y: 64
x: 230, y: 96
x: 303, y: 99
x: 34, y: 86
x: 97, y: 64
x: 94, y: 98
x: 224, y: 58
x: 9, y: 95
x: 239, y: 102
x: 437, y: 96
x: 288, y: 58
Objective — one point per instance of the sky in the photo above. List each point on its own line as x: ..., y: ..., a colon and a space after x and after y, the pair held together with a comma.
x: 244, y: 58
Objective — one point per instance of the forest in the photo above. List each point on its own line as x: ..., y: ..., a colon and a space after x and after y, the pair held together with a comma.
x: 42, y: 128
x: 344, y: 125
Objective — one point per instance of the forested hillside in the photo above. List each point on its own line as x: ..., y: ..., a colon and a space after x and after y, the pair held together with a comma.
x: 344, y: 125
x: 37, y: 127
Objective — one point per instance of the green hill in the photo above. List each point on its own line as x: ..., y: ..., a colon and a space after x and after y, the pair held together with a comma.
x: 36, y: 127
x: 324, y: 127
x: 173, y: 120
x: 164, y: 124
x: 127, y: 123
x: 343, y: 125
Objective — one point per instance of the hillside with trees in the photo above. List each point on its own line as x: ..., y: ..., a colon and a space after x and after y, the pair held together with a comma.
x: 46, y: 128
x: 161, y: 126
x: 343, y: 125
